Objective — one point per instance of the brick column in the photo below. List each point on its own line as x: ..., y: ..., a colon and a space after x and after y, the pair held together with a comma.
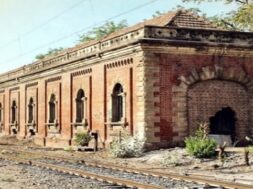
x: 65, y: 105
x: 40, y: 136
x: 147, y: 77
x: 22, y: 111
x: 7, y: 112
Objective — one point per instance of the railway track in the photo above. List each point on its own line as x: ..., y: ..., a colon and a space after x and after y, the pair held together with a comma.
x: 207, y: 182
x: 114, y: 181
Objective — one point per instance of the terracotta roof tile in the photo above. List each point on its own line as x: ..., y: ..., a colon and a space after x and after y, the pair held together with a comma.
x: 180, y: 18
x: 189, y: 20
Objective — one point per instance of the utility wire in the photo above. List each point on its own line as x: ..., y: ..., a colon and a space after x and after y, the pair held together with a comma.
x: 81, y: 30
x: 43, y: 23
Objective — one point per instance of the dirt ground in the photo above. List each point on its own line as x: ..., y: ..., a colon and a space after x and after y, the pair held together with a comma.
x: 233, y: 167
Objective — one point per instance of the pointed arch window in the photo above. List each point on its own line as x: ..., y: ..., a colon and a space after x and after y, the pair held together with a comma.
x: 117, y: 103
x: 80, y: 106
x: 52, y: 109
x: 14, y: 112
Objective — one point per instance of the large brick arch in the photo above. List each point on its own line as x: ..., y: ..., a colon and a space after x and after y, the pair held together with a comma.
x: 206, y: 98
x: 209, y: 90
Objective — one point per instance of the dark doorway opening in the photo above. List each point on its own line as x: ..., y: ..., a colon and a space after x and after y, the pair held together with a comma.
x: 223, y: 123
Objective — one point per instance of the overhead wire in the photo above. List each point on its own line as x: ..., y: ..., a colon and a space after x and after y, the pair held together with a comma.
x: 81, y: 30
x: 41, y: 25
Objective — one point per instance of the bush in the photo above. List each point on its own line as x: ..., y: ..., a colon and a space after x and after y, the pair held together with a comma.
x: 127, y: 146
x: 200, y: 145
x: 82, y: 138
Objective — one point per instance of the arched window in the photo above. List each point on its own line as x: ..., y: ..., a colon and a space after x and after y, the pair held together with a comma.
x: 13, y: 111
x: 80, y: 106
x: 52, y: 109
x: 30, y: 111
x: 117, y: 103
x: 1, y: 111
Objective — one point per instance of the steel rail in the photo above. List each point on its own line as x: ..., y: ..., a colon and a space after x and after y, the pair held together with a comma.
x: 85, y: 174
x: 186, y: 177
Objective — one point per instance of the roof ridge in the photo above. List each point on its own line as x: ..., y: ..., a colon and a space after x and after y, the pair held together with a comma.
x: 201, y: 19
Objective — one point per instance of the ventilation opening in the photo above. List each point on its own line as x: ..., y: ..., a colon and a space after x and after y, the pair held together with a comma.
x: 32, y: 132
x: 223, y: 123
x: 14, y: 131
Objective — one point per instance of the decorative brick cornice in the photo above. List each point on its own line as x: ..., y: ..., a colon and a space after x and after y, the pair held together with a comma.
x: 235, y: 38
x: 81, y: 72
x: 31, y: 84
x: 14, y: 89
x: 120, y: 63
x: 53, y: 79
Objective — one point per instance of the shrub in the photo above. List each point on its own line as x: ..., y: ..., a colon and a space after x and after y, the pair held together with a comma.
x: 82, y: 138
x: 200, y: 145
x: 127, y: 146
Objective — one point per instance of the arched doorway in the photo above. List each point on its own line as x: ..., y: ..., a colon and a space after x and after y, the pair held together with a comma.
x: 223, y: 123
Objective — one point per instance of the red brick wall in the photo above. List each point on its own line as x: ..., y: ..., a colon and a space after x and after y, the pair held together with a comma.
x: 152, y: 81
x: 172, y: 66
x: 122, y: 74
x: 31, y: 92
x: 208, y: 97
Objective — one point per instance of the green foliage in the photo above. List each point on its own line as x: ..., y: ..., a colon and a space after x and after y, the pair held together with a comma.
x: 54, y: 51
x: 249, y: 149
x: 240, y: 19
x: 127, y: 146
x: 82, y: 138
x: 102, y: 31
x: 243, y: 18
x: 225, y: 1
x: 200, y: 145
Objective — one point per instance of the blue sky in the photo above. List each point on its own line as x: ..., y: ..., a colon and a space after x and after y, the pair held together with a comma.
x: 31, y: 27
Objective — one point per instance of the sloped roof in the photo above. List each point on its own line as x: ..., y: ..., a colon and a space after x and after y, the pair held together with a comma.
x: 179, y: 18
x: 187, y: 19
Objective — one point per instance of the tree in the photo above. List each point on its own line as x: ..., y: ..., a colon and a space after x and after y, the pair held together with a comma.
x: 102, y: 31
x: 54, y: 51
x: 241, y: 19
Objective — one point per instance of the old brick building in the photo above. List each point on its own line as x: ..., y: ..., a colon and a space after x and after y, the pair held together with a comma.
x: 157, y: 79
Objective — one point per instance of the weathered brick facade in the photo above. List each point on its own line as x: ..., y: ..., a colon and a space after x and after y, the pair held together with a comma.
x: 170, y: 72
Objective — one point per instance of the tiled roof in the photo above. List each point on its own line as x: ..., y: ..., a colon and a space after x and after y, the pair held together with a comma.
x: 189, y: 20
x: 180, y: 18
